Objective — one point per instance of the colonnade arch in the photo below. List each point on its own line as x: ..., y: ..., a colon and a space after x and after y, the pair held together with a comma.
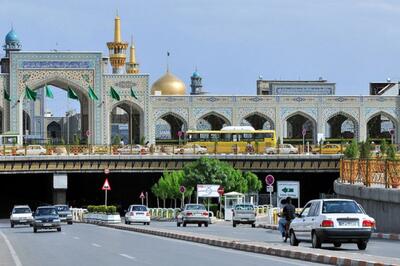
x: 381, y: 125
x: 212, y: 121
x: 126, y: 122
x: 341, y: 125
x: 258, y: 121
x: 54, y: 132
x: 168, y: 125
x: 294, y: 124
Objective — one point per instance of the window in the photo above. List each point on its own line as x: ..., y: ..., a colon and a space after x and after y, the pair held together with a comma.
x: 306, y: 210
x: 314, y: 210
x: 337, y: 206
x: 244, y: 207
x: 139, y: 209
x: 195, y: 207
x: 21, y: 210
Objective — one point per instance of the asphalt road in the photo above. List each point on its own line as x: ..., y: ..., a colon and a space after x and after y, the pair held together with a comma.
x: 82, y: 244
x: 376, y: 247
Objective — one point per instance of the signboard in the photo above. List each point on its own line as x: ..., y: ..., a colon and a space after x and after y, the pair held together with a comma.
x: 270, y: 189
x: 182, y: 189
x: 208, y: 191
x: 269, y: 179
x: 288, y: 189
x: 142, y: 195
x: 320, y: 137
x: 60, y: 181
x: 106, y: 185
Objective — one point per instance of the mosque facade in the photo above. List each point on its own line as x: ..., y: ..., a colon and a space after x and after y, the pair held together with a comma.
x: 160, y: 111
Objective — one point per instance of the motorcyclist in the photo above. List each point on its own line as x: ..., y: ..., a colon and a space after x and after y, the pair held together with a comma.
x: 289, y: 214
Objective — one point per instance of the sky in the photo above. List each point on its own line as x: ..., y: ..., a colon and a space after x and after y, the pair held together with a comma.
x: 231, y: 42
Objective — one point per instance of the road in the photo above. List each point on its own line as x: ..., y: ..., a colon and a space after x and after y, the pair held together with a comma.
x: 376, y: 247
x: 83, y: 244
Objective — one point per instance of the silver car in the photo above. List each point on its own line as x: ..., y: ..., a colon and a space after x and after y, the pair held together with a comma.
x: 193, y: 214
x: 21, y: 214
x: 65, y: 213
x: 244, y: 213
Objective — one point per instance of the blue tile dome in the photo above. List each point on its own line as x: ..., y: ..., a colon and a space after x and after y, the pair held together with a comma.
x: 195, y: 74
x: 11, y: 37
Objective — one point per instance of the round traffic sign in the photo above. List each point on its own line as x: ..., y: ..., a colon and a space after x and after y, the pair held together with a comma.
x: 106, y: 171
x: 304, y: 132
x: 182, y: 189
x: 269, y: 179
x: 141, y: 195
x: 88, y: 133
x: 180, y: 133
x: 392, y: 131
x: 221, y: 190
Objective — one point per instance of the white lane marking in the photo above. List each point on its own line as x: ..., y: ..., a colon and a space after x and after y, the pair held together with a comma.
x: 12, y: 250
x: 75, y: 237
x: 127, y: 256
x: 96, y: 245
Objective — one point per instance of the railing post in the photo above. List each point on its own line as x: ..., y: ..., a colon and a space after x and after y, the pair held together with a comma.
x: 386, y: 174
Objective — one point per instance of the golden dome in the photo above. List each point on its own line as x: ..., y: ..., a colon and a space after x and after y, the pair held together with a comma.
x: 169, y: 85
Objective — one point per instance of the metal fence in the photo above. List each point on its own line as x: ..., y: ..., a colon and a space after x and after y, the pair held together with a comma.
x: 370, y: 172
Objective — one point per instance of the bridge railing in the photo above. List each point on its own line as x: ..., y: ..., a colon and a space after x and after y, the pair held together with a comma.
x: 370, y: 172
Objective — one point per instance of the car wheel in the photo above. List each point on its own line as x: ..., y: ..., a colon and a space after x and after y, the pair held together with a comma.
x: 337, y: 245
x: 362, y: 245
x: 12, y: 225
x: 34, y: 230
x: 148, y: 223
x: 206, y: 224
x: 144, y: 223
x: 184, y: 224
x: 199, y: 225
x: 59, y: 229
x: 293, y: 239
x: 69, y: 222
x: 316, y: 242
x: 178, y: 224
x: 234, y: 224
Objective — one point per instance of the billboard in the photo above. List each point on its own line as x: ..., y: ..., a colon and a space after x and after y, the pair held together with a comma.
x: 207, y: 191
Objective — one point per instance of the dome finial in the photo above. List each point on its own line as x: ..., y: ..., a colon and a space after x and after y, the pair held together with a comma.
x: 168, y: 54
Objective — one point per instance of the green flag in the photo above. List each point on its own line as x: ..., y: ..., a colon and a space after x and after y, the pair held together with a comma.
x: 7, y: 96
x: 133, y: 94
x: 72, y: 95
x: 92, y: 95
x: 114, y: 94
x: 49, y: 93
x: 30, y: 94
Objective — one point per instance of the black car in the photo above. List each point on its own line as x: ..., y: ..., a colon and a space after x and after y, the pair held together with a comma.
x: 46, y: 218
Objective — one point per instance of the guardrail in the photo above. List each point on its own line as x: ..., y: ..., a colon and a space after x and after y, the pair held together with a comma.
x: 370, y: 172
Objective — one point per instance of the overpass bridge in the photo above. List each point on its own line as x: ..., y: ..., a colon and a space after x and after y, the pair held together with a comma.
x: 160, y: 163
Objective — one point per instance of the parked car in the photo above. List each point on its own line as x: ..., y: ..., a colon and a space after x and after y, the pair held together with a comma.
x: 65, y: 213
x: 191, y: 149
x: 137, y: 214
x: 31, y: 150
x: 134, y: 149
x: 21, y: 214
x: 282, y: 149
x: 328, y: 149
x: 193, y: 214
x: 244, y: 213
x: 334, y: 221
x: 46, y: 218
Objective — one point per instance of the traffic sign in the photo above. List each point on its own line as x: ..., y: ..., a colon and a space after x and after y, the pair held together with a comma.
x: 88, y: 133
x: 304, y: 132
x: 221, y: 190
x: 269, y: 179
x: 180, y: 133
x: 288, y: 189
x: 392, y: 131
x: 182, y: 189
x: 142, y: 195
x: 106, y: 185
x: 106, y: 171
x: 270, y: 189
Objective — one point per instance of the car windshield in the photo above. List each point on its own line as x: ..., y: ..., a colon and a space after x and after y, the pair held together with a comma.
x: 62, y: 208
x: 21, y: 210
x: 139, y: 208
x: 340, y: 207
x: 245, y: 207
x: 195, y: 207
x: 46, y: 211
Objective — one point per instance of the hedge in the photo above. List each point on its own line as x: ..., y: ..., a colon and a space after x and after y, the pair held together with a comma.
x: 102, y: 209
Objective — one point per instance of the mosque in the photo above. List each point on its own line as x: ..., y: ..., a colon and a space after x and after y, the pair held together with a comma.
x: 124, y: 104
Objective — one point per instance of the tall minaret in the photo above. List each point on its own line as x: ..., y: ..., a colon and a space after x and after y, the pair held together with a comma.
x: 132, y: 67
x: 117, y: 49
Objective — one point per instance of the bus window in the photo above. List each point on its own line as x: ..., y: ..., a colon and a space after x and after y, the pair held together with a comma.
x: 214, y: 137
x: 269, y: 135
x: 234, y: 137
x: 247, y: 136
x: 226, y: 137
x: 204, y: 137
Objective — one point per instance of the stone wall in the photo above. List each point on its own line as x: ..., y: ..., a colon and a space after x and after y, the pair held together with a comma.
x: 381, y: 203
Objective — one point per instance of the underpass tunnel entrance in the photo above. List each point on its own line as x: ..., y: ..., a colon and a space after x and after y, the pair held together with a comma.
x: 258, y: 122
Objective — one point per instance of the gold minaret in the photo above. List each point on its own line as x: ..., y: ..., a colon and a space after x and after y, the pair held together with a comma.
x: 132, y: 67
x: 117, y: 49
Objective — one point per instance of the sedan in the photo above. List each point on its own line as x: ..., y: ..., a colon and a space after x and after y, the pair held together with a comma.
x: 282, y: 149
x: 31, y: 150
x: 65, y: 213
x: 137, y: 214
x: 46, y: 218
x: 21, y: 214
x: 193, y: 214
x: 329, y: 149
x: 192, y: 149
x: 135, y: 149
x: 333, y: 221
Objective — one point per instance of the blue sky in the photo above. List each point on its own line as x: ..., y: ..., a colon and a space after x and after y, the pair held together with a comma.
x: 350, y: 42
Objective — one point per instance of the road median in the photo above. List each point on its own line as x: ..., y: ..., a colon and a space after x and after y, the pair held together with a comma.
x: 280, y: 250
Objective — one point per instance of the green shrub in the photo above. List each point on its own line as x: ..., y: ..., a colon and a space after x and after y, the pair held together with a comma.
x: 391, y: 152
x: 111, y: 209
x: 365, y: 150
x: 352, y: 150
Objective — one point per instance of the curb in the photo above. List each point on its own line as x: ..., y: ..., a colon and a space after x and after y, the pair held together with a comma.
x: 395, y: 237
x: 259, y: 248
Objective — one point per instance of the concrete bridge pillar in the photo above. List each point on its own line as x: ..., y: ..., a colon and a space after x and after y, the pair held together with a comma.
x: 60, y: 186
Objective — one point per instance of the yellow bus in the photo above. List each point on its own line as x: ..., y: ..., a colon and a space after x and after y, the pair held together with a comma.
x: 233, y: 139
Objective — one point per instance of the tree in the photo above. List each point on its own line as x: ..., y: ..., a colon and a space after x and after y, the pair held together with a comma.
x: 254, y: 184
x: 391, y: 152
x: 117, y: 140
x: 365, y: 149
x: 384, y: 147
x: 352, y: 151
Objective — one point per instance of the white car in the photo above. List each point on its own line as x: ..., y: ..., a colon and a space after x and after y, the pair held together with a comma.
x: 21, y: 214
x: 282, y: 149
x: 192, y: 149
x: 137, y: 214
x: 135, y: 149
x: 333, y: 221
x: 31, y: 150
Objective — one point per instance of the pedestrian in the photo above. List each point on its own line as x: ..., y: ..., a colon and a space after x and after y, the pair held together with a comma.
x: 282, y: 220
